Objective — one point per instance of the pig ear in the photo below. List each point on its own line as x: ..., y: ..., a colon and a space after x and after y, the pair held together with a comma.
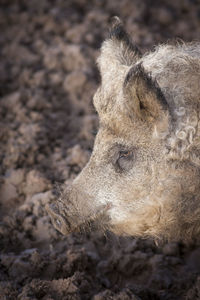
x: 143, y: 95
x: 117, y: 50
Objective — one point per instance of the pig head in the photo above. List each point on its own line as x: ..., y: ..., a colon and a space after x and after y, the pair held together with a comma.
x: 143, y: 175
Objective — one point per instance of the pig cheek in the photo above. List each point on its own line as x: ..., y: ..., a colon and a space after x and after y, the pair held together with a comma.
x: 126, y: 201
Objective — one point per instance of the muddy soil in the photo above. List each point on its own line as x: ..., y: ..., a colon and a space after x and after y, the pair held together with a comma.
x: 47, y: 126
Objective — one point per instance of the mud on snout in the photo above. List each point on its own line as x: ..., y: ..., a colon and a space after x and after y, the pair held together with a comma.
x: 75, y: 211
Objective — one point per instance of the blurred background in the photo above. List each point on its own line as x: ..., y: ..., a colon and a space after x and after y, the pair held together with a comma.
x: 48, y: 76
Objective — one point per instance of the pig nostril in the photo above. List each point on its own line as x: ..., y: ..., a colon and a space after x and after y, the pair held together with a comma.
x: 58, y: 222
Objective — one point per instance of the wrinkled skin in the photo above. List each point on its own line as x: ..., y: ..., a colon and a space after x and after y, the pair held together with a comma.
x: 143, y: 176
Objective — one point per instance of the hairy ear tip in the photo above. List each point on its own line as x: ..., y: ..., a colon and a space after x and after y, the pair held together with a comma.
x: 117, y: 30
x: 115, y: 21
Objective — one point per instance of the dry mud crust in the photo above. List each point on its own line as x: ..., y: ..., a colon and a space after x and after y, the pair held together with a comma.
x: 47, y: 126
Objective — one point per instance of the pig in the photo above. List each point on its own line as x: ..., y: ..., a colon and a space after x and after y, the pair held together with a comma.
x: 143, y: 176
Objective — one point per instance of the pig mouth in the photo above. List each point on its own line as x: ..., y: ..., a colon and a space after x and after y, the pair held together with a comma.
x: 66, y: 222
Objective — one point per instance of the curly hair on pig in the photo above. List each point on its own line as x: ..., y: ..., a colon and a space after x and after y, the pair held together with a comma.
x: 144, y: 172
x: 180, y: 86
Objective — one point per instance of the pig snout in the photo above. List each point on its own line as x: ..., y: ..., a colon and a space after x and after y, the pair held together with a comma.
x: 69, y: 215
x: 59, y: 221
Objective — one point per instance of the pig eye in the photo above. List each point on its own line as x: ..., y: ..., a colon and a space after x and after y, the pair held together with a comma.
x: 125, y: 160
x: 124, y: 153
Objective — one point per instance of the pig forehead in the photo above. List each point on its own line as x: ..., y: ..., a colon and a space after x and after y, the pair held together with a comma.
x: 109, y: 135
x: 120, y: 126
x: 105, y: 140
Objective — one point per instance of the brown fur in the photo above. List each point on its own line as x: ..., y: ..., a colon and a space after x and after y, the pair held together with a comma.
x: 144, y: 170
